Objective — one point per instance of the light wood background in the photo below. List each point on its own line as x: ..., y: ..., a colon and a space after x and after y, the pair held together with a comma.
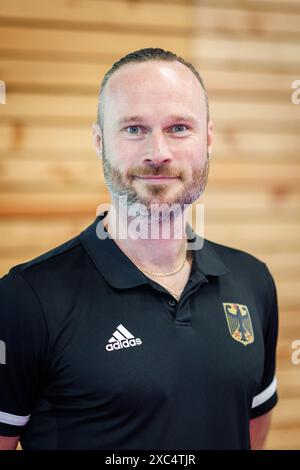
x: 53, y: 56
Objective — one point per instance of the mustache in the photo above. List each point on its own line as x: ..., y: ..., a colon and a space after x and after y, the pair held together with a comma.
x: 156, y: 171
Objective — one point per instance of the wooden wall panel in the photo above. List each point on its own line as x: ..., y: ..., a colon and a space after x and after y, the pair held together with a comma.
x: 83, y: 42
x: 116, y: 13
x: 53, y: 57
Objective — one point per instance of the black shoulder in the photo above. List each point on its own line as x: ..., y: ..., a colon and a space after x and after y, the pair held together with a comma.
x: 234, y: 256
x: 45, y: 259
x: 248, y: 267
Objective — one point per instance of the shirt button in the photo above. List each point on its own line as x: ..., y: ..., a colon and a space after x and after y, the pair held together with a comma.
x: 172, y: 302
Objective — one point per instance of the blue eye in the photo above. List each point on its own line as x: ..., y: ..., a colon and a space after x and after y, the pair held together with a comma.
x: 134, y: 130
x: 133, y: 127
x: 180, y: 125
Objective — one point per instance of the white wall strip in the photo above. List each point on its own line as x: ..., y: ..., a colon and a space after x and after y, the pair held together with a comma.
x: 15, y: 420
x: 265, y: 394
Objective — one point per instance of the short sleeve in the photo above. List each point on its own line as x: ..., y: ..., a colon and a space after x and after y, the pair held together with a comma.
x: 23, y: 352
x: 267, y: 396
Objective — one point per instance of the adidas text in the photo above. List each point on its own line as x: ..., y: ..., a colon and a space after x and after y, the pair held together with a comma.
x: 123, y: 344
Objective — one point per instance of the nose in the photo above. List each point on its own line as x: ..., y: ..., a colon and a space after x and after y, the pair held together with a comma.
x: 158, y: 151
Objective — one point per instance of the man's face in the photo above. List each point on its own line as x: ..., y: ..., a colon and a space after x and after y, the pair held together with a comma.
x: 155, y: 134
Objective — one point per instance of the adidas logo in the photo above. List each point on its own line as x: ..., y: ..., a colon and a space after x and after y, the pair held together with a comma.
x: 122, y: 338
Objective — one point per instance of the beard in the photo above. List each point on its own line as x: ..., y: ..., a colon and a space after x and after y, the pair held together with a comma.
x: 121, y: 188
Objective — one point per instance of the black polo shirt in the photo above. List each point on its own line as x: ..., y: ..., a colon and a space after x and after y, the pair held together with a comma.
x: 95, y: 355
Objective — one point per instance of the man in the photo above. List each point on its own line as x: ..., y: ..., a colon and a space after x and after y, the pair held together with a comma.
x: 141, y: 342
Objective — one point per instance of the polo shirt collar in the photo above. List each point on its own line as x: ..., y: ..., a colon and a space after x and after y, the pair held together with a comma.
x: 121, y: 272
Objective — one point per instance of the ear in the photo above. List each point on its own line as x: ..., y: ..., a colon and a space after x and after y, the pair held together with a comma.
x: 209, y: 137
x: 97, y: 139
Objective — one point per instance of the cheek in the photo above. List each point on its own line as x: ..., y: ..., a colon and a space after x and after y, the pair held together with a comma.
x: 194, y: 146
x: 192, y: 155
x: 123, y: 153
x: 199, y: 153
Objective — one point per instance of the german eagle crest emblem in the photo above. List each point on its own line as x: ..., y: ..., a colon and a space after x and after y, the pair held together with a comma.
x: 239, y: 322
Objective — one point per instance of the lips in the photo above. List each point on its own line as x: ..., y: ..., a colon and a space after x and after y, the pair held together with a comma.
x: 158, y: 178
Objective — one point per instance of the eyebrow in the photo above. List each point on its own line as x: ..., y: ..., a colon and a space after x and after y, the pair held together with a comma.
x: 175, y: 117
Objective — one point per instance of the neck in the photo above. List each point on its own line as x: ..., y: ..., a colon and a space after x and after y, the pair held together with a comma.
x: 158, y: 250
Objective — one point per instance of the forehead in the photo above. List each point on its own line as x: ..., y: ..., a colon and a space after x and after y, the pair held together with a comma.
x: 153, y: 84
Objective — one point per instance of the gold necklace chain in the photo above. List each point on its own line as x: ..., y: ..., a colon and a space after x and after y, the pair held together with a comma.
x: 174, y: 292
x: 170, y: 273
x: 154, y: 273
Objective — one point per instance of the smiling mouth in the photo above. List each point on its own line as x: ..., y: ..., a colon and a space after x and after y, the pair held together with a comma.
x: 157, y: 179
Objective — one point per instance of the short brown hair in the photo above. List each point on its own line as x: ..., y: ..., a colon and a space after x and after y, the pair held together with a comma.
x: 144, y: 55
